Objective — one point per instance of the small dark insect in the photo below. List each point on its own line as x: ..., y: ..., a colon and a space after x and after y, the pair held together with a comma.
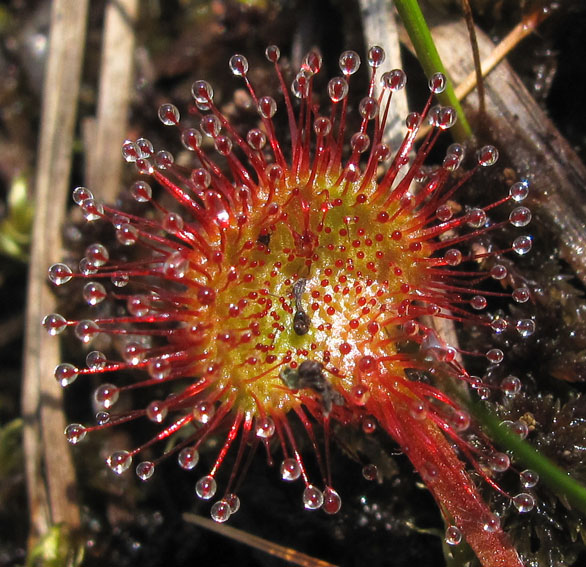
x: 309, y: 374
x: 301, y: 320
x: 264, y: 239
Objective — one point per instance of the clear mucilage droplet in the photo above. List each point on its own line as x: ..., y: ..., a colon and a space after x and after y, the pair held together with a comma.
x: 145, y: 147
x: 204, y: 411
x: 511, y: 386
x: 331, y: 501
x: 337, y: 89
x: 75, y: 433
x: 220, y: 511
x: 256, y: 139
x: 141, y: 191
x: 267, y: 106
x: 157, y: 411
x: 127, y: 235
x: 394, y: 80
x: 60, y: 273
x: 499, y: 462
x: 102, y: 417
x: 522, y: 245
x: 519, y: 191
x: 80, y: 194
x: 94, y: 293
x: 491, y: 524
x: 130, y: 151
x: 96, y: 360
x: 437, y: 83
x: 376, y: 56
x: 368, y: 108
x: 349, y: 62
x: 520, y: 216
x: 202, y: 91
x: 313, y: 498
x: 206, y: 487
x: 191, y: 139
x: 524, y: 502
x: 145, y: 470
x: 176, y: 266
x: 272, y: 53
x: 487, y: 156
x: 239, y: 65
x: 233, y: 501
x: 188, y: 458
x: 86, y: 330
x: 495, y: 355
x: 120, y: 280
x: 370, y: 472
x: 92, y: 210
x: 97, y: 254
x: 290, y: 469
x: 478, y: 302
x: 525, y: 327
x: 322, y: 126
x: 106, y: 395
x: 65, y: 374
x: 521, y: 295
x: 529, y: 478
x: 119, y: 461
x: 169, y: 114
x: 453, y: 535
x: 54, y: 324
x: 265, y: 427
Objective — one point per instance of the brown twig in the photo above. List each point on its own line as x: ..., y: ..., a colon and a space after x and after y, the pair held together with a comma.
x: 537, y: 150
x: 491, y: 60
x: 469, y: 18
x: 292, y: 556
x: 49, y: 469
x: 500, y: 51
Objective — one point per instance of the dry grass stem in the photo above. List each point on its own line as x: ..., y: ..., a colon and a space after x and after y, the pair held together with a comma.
x: 292, y: 556
x: 49, y: 469
x: 497, y: 54
x: 478, y: 75
x: 116, y: 80
x: 379, y: 22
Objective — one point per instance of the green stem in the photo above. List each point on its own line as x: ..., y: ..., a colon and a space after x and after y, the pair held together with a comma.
x: 551, y: 475
x: 420, y: 36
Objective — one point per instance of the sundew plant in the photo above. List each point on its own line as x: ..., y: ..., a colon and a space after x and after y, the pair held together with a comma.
x: 286, y: 284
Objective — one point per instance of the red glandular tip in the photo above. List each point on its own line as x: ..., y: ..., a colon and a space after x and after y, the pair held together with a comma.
x: 283, y: 283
